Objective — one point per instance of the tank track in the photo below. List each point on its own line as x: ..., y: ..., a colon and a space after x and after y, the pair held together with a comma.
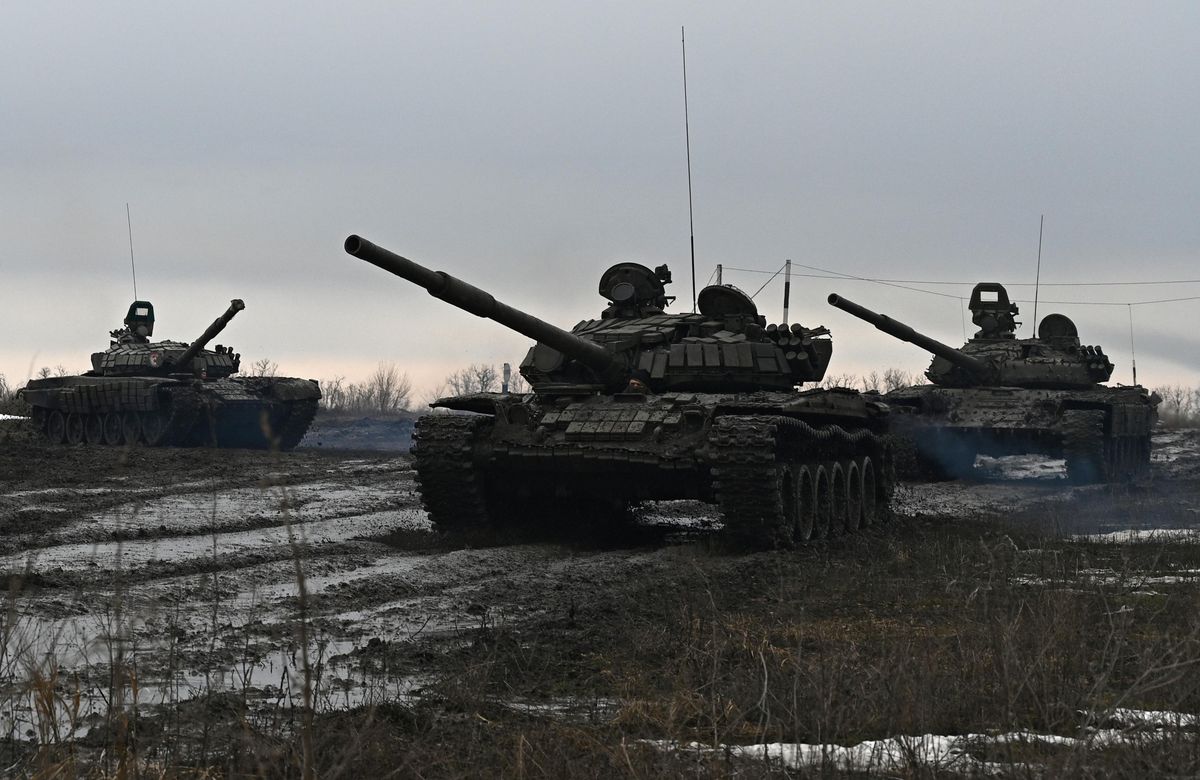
x: 452, y: 488
x: 756, y: 463
x: 759, y: 462
x: 181, y: 417
x: 1129, y: 456
x: 183, y: 422
x: 175, y: 422
x: 300, y: 415
x: 1093, y: 456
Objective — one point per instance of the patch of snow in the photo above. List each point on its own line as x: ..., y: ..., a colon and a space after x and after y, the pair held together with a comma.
x: 12, y: 417
x: 134, y: 554
x: 958, y: 499
x: 680, y: 514
x: 904, y: 754
x: 894, y: 755
x: 1016, y: 467
x: 1174, y: 535
x: 1130, y: 718
x: 562, y: 707
x: 1109, y: 577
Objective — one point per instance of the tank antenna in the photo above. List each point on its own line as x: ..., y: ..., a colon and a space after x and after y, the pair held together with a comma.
x: 1132, y: 353
x: 687, y: 139
x: 787, y: 288
x: 1038, y: 279
x: 132, y: 267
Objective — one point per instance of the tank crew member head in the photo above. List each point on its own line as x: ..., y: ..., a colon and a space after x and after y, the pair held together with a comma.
x: 639, y: 382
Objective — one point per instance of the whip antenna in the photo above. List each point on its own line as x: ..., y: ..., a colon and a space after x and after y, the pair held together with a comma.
x: 787, y: 289
x: 1132, y: 352
x: 687, y: 137
x: 132, y: 267
x: 1038, y: 279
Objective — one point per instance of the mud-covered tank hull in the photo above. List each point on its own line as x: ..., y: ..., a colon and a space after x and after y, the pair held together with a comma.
x: 783, y: 467
x: 1103, y: 434
x: 251, y: 412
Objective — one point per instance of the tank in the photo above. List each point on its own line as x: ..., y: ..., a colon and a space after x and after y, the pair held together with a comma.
x: 1001, y: 395
x: 639, y: 404
x: 171, y: 393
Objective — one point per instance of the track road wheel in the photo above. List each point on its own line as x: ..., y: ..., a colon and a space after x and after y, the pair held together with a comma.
x: 822, y: 503
x: 111, y: 424
x: 870, y: 494
x: 854, y: 497
x: 131, y: 427
x: 56, y: 427
x: 838, y: 499
x: 789, y: 495
x: 806, y: 505
x: 93, y: 429
x: 74, y: 428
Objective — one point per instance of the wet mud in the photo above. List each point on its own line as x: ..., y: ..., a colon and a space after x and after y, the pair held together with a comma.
x: 236, y: 571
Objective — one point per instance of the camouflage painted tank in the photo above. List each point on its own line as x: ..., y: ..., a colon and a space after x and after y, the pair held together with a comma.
x: 1000, y: 395
x: 644, y: 405
x: 164, y: 393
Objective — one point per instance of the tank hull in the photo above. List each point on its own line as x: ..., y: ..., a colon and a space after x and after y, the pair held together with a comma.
x: 250, y: 412
x: 1102, y: 433
x: 783, y: 467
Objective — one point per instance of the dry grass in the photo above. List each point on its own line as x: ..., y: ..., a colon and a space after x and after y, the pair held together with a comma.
x: 925, y: 627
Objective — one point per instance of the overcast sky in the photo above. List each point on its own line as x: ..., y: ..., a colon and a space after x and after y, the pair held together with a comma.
x: 525, y: 147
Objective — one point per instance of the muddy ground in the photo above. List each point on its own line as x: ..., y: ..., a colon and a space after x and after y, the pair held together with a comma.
x: 182, y: 568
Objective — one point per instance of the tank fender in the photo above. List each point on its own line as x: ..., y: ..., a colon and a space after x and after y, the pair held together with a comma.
x: 295, y: 389
x: 69, y: 394
x: 835, y: 402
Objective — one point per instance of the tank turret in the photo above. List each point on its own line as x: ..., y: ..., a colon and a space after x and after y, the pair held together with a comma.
x: 1054, y: 359
x: 727, y: 346
x: 133, y: 354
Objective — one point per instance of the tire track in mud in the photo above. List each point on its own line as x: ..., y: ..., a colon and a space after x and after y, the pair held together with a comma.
x: 186, y: 566
x: 186, y: 562
x: 189, y: 569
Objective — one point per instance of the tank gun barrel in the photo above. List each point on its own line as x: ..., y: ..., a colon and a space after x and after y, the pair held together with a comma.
x: 211, y: 333
x: 611, y: 370
x: 903, y: 332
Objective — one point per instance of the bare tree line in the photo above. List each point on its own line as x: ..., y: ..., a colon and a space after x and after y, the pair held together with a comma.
x: 389, y: 391
x: 874, y: 382
x: 8, y: 399
x: 1180, y: 405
